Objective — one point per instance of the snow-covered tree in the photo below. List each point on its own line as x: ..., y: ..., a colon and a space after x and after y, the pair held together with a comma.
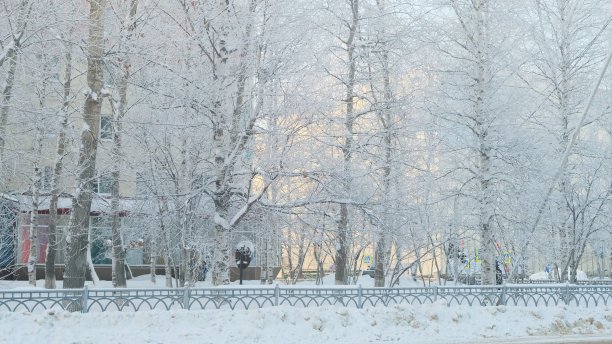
x: 77, y: 241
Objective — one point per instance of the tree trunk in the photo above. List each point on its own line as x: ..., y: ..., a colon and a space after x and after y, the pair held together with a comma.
x: 57, y: 172
x: 119, y: 109
x: 342, y: 244
x: 382, y: 252
x: 221, y: 253
x: 77, y: 239
x: 33, y: 237
x: 609, y: 266
x: 118, y: 259
x: 7, y: 92
x: 482, y: 115
x: 11, y: 57
x: 221, y: 257
x: 153, y: 264
x: 162, y: 207
x: 89, y: 262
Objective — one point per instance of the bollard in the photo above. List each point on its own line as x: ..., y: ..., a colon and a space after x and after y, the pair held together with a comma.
x: 186, y: 296
x: 502, y: 297
x: 84, y: 299
x: 276, y: 295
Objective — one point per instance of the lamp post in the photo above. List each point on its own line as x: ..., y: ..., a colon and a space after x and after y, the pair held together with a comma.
x: 243, y: 258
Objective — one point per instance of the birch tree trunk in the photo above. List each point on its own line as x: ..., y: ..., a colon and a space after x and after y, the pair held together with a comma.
x: 33, y: 235
x: 228, y: 139
x: 487, y: 243
x: 162, y: 208
x: 382, y: 247
x: 7, y: 92
x: 474, y: 18
x: 37, y: 175
x: 185, y: 206
x: 57, y: 172
x: 10, y: 56
x: 118, y: 251
x: 164, y: 235
x: 119, y: 109
x: 166, y: 247
x: 342, y: 244
x: 221, y: 253
x: 77, y: 242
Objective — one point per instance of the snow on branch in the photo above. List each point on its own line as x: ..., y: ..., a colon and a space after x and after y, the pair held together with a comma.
x: 250, y: 202
x: 10, y: 47
x: 89, y: 93
x: 221, y: 221
x: 303, y: 203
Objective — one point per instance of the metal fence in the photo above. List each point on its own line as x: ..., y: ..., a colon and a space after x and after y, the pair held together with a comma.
x: 102, y: 300
x: 584, y: 282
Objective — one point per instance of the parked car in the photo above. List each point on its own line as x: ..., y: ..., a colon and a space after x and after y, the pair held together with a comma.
x: 368, y: 272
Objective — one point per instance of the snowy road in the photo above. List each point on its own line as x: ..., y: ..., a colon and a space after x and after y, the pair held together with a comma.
x: 573, y: 339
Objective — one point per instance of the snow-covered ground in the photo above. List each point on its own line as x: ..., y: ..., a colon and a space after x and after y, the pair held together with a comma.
x: 435, y: 323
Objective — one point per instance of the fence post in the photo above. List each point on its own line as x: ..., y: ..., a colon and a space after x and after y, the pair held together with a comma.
x: 359, y: 297
x: 84, y: 299
x: 186, y: 296
x: 502, y: 297
x: 567, y: 294
x: 435, y: 293
x: 276, y: 295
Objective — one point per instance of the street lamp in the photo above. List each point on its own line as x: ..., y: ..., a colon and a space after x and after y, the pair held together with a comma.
x: 243, y: 257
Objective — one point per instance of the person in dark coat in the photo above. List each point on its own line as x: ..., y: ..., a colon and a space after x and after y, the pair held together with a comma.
x: 498, y: 274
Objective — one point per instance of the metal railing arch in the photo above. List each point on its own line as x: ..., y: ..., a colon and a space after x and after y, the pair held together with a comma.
x: 134, y: 300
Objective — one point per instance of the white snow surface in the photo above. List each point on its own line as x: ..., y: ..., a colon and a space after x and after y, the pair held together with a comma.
x: 98, y: 204
x: 432, y: 323
x: 541, y: 275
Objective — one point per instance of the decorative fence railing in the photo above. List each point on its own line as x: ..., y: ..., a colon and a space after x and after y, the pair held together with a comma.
x: 102, y: 300
x: 585, y: 282
x: 475, y: 280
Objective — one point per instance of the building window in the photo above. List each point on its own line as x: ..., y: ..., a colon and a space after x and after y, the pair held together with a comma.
x: 101, y: 239
x: 45, y: 178
x: 142, y: 188
x: 102, y: 184
x: 106, y: 128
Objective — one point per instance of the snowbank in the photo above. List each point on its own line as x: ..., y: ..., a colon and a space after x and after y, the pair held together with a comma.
x: 403, y: 323
x: 541, y: 275
x: 435, y: 323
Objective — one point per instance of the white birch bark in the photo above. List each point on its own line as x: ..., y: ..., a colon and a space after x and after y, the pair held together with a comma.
x: 119, y: 110
x: 229, y: 140
x: 474, y: 18
x: 486, y: 197
x: 10, y: 55
x: 33, y: 235
x: 7, y: 92
x: 37, y: 175
x: 382, y: 250
x: 342, y: 243
x: 57, y: 173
